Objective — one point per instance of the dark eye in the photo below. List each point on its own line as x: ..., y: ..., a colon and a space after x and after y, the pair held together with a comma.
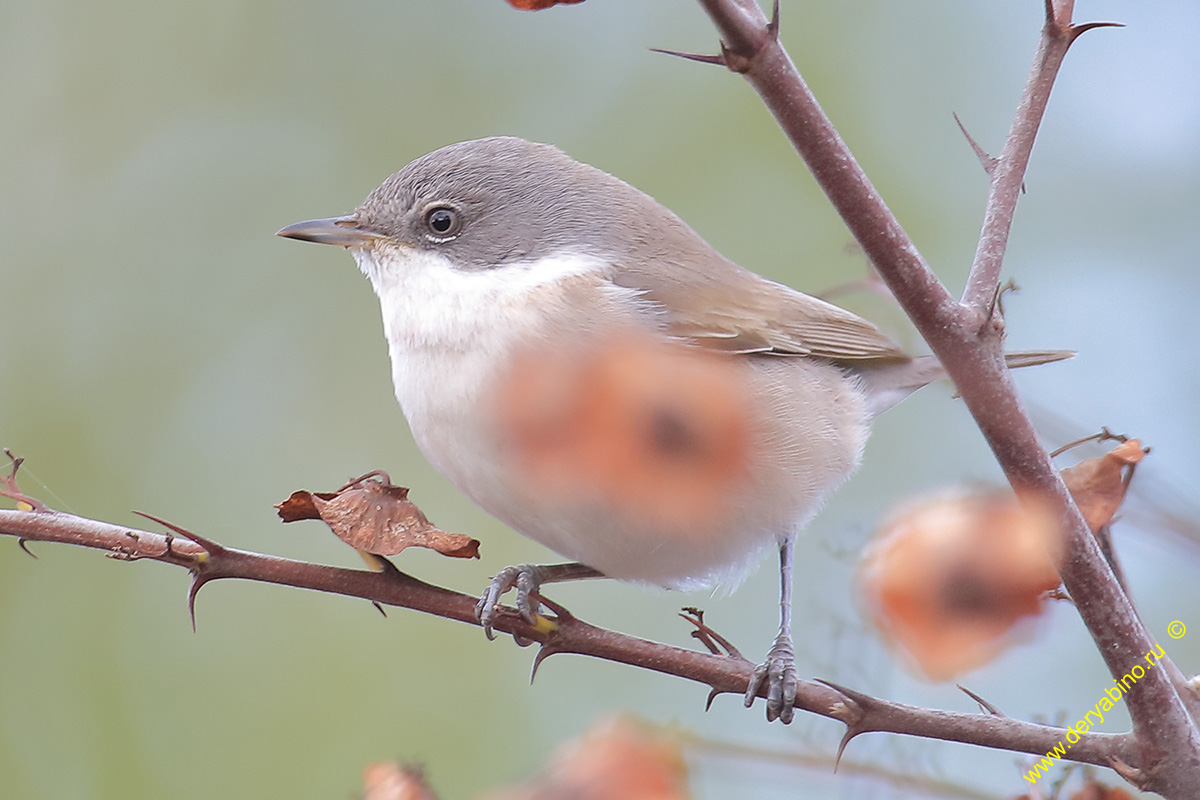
x: 443, y: 222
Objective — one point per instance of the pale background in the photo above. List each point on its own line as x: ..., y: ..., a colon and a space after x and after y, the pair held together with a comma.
x: 161, y: 350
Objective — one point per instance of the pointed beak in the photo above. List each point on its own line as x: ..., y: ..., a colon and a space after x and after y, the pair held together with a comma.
x: 343, y: 231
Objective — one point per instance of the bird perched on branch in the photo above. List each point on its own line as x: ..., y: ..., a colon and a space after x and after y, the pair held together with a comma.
x: 585, y: 367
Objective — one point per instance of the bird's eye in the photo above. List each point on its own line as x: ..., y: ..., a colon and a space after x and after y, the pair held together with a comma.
x: 443, y: 222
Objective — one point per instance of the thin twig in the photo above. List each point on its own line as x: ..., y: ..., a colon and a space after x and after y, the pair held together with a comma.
x: 1007, y: 171
x: 209, y: 561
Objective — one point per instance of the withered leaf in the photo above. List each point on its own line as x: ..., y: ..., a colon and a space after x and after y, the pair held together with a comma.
x: 1099, y: 484
x: 375, y: 517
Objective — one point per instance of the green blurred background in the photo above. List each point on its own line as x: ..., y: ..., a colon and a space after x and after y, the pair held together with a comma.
x: 160, y: 349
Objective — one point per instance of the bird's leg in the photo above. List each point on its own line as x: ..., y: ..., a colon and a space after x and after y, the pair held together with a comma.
x: 526, y: 579
x: 779, y: 670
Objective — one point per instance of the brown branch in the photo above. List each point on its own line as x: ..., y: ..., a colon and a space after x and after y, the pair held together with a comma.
x: 1007, y: 172
x: 967, y: 339
x: 860, y: 713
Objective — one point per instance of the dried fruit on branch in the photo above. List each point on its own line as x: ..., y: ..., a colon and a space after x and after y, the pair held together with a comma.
x: 538, y: 5
x: 948, y: 579
x: 618, y: 759
x: 661, y: 433
x: 387, y: 780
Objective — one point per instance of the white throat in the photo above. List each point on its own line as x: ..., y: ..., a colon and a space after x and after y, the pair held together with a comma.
x: 447, y: 329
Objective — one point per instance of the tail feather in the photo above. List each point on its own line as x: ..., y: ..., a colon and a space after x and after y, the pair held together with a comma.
x: 888, y: 385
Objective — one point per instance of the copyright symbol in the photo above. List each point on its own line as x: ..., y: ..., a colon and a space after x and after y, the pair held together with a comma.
x: 1176, y: 630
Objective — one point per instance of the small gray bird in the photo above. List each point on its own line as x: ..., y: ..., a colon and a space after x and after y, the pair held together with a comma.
x: 502, y: 265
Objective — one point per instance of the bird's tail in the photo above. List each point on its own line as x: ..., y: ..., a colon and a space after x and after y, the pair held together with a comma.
x: 888, y: 385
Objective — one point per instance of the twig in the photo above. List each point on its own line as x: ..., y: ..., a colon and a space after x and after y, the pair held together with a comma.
x: 208, y: 561
x: 1007, y: 171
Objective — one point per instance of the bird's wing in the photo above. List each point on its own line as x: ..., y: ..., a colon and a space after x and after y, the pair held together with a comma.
x: 734, y: 310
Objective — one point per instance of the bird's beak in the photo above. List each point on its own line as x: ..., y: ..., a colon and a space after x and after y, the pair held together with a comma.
x: 343, y: 231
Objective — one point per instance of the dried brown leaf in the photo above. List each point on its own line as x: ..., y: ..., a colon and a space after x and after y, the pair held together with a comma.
x: 301, y: 505
x: 375, y: 517
x: 1099, y: 484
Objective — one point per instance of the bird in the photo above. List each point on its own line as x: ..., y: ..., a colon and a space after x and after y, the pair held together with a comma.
x: 586, y: 368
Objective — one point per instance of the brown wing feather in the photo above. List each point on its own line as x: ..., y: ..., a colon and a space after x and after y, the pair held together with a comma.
x: 727, y: 308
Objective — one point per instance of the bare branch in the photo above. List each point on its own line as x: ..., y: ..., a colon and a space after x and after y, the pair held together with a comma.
x: 726, y: 674
x: 1007, y: 171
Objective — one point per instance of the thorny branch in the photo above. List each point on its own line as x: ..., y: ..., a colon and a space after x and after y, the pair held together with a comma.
x: 725, y: 674
x: 967, y: 337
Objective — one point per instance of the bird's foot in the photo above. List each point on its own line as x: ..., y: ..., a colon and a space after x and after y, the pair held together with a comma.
x: 526, y: 579
x: 778, y: 672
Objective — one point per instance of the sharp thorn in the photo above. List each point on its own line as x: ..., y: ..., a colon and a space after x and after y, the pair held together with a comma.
x: 850, y: 694
x: 544, y: 652
x: 985, y: 160
x: 703, y: 59
x: 773, y: 25
x: 561, y: 614
x: 21, y: 543
x: 212, y: 547
x: 712, y: 695
x: 1078, y: 30
x: 194, y: 589
x: 379, y: 608
x: 846, y: 737
x: 984, y: 704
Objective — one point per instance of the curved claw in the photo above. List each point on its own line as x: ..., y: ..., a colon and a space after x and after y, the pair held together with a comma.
x: 526, y: 579
x: 779, y: 674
